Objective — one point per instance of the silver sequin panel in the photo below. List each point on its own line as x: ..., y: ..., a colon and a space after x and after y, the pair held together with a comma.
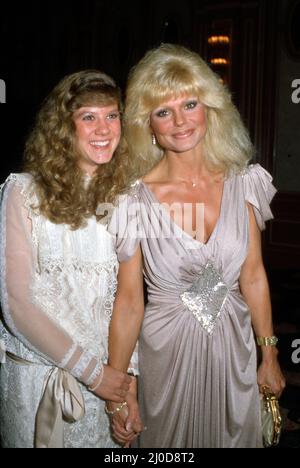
x: 206, y: 297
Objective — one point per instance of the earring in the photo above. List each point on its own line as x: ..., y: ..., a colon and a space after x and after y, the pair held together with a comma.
x: 153, y: 139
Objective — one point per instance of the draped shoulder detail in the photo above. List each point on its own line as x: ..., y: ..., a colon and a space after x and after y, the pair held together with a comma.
x: 259, y: 192
x: 125, y: 223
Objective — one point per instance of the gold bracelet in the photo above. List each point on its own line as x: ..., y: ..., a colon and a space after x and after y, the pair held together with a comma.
x: 267, y: 340
x: 117, y: 410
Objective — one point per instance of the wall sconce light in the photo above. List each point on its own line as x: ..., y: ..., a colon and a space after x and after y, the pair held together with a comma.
x: 219, y: 54
x: 219, y: 61
x: 218, y: 40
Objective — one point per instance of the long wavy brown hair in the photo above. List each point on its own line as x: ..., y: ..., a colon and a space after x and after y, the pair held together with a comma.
x: 51, y: 154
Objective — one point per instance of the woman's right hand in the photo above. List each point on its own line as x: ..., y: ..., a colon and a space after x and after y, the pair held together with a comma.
x: 114, y: 386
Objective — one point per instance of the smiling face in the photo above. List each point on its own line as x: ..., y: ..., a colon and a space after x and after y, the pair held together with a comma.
x: 97, y: 134
x: 179, y: 125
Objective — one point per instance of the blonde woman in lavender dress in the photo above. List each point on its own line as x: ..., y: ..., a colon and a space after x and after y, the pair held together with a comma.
x: 192, y: 223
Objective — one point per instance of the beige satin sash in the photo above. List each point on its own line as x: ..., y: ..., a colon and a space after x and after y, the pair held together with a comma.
x: 62, y: 401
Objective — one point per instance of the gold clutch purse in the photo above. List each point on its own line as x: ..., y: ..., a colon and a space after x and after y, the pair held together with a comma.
x: 270, y: 418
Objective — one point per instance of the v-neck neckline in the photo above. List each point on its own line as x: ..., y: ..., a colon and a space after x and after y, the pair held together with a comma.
x: 176, y: 226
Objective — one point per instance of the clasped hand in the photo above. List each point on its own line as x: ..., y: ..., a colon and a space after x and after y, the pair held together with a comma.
x: 114, y: 385
x: 126, y: 423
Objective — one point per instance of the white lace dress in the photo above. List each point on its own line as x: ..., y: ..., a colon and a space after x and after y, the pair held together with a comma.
x: 57, y: 293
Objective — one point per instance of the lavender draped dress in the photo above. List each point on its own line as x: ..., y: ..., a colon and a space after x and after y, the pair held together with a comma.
x: 197, y: 353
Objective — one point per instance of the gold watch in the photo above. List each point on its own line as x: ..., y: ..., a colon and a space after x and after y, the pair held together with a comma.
x: 266, y: 340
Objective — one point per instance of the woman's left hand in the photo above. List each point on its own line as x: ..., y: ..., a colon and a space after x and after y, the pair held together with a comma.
x: 270, y: 375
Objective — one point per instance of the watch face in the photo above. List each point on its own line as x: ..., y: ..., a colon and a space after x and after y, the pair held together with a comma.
x: 271, y: 341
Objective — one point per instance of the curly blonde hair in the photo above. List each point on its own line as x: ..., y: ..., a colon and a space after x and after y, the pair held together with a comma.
x: 171, y: 71
x: 51, y: 153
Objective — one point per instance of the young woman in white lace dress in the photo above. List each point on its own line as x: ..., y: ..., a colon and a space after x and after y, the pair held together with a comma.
x: 58, y: 272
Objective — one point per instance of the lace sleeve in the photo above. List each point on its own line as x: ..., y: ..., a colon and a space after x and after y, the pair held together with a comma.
x: 25, y: 320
